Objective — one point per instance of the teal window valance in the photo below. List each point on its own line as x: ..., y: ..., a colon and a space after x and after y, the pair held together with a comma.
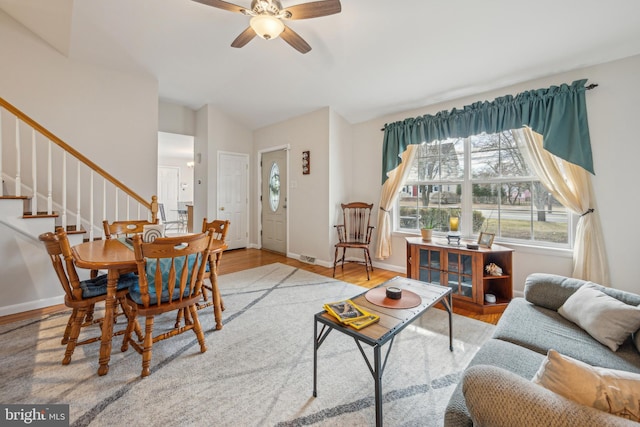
x: 558, y: 113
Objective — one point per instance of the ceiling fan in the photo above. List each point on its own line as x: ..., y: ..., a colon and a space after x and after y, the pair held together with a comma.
x: 267, y: 16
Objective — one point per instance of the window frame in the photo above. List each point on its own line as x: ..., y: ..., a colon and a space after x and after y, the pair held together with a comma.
x: 466, y: 207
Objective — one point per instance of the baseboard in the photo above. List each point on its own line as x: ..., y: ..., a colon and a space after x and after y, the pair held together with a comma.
x: 31, y: 305
x: 329, y: 264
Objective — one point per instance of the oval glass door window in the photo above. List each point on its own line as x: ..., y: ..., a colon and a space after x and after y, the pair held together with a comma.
x: 274, y: 187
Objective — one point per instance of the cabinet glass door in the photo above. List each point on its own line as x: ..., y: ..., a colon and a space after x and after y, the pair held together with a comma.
x: 459, y: 274
x: 429, y: 266
x: 466, y: 263
x: 431, y: 276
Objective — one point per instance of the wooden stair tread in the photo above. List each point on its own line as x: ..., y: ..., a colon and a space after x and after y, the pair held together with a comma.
x: 71, y: 229
x: 15, y: 197
x: 27, y: 215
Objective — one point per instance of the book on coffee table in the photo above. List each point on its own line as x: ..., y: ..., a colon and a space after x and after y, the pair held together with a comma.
x: 363, y: 322
x: 345, y: 311
x: 349, y: 313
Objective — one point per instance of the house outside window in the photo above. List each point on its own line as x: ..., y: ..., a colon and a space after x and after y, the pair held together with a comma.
x: 486, y: 181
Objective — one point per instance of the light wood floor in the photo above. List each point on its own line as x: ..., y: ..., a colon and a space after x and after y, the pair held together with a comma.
x: 243, y: 259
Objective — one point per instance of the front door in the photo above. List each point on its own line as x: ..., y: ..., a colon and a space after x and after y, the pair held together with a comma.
x: 274, y: 201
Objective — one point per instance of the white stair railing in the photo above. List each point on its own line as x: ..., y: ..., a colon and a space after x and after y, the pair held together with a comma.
x: 117, y: 199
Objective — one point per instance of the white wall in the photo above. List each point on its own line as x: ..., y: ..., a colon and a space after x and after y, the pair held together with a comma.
x: 215, y: 131
x: 176, y: 118
x: 97, y: 111
x: 342, y: 173
x: 612, y: 109
x: 308, y: 194
x: 108, y: 116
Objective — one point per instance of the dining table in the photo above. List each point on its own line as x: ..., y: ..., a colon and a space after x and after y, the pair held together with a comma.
x: 117, y: 258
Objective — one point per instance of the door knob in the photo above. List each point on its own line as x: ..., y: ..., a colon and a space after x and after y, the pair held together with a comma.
x: 222, y: 208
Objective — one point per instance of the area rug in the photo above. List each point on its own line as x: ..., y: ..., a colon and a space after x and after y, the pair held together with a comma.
x: 257, y: 371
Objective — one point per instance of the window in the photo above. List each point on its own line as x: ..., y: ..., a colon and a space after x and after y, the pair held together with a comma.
x: 486, y: 181
x: 274, y: 187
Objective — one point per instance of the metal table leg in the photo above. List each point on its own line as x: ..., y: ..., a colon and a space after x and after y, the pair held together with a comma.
x: 317, y: 342
x: 448, y: 304
x: 378, y: 384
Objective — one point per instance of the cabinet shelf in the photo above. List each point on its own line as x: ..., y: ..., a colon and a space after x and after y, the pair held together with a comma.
x: 463, y: 270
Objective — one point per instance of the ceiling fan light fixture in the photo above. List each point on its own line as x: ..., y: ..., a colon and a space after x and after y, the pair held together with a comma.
x: 266, y: 26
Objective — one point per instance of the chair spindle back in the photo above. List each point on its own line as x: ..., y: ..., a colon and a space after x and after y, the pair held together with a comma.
x: 175, y: 265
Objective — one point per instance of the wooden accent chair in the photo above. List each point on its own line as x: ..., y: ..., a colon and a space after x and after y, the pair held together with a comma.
x: 81, y: 296
x: 354, y: 233
x: 124, y: 228
x: 219, y: 228
x: 170, y: 270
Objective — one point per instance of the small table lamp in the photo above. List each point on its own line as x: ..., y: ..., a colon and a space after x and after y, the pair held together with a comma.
x: 454, y: 234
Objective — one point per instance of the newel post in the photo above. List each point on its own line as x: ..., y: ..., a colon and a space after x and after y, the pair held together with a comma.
x: 154, y: 209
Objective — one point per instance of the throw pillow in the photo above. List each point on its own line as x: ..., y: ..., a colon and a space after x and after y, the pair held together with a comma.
x: 608, y: 320
x: 608, y: 390
x: 151, y: 232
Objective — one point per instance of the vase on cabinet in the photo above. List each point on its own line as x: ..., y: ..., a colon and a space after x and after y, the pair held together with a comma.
x: 427, y: 233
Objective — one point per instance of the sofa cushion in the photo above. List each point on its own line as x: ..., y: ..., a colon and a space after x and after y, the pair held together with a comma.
x: 521, y: 361
x: 540, y: 329
x: 608, y: 390
x: 605, y: 318
x: 551, y: 290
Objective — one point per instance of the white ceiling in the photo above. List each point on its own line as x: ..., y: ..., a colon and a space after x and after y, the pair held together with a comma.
x: 376, y: 57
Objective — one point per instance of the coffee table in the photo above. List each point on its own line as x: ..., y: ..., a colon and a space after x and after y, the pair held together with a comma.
x: 392, y: 322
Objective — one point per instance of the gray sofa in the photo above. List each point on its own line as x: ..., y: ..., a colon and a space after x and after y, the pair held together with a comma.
x: 496, y: 389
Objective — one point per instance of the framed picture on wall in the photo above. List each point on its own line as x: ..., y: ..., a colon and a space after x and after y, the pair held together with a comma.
x: 485, y: 240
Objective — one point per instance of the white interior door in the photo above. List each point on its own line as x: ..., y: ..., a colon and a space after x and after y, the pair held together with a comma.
x: 233, y: 198
x: 274, y: 201
x: 168, y: 183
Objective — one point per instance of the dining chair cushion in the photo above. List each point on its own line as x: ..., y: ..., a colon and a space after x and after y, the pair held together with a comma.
x: 165, y: 267
x: 98, y: 286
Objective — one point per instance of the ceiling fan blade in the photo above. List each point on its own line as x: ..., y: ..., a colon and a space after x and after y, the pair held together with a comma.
x: 222, y: 5
x: 314, y: 9
x: 295, y: 40
x: 245, y: 37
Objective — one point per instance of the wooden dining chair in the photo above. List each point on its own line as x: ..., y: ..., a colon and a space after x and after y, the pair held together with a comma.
x: 171, y: 271
x: 124, y: 228
x: 82, y: 295
x: 219, y: 228
x: 354, y: 233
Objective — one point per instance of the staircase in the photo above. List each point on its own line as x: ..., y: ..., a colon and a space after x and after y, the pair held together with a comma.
x: 47, y: 184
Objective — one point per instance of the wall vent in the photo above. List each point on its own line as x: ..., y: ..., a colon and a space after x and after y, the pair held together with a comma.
x: 308, y: 259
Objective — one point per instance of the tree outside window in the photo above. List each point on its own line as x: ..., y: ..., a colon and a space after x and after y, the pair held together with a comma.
x: 485, y: 179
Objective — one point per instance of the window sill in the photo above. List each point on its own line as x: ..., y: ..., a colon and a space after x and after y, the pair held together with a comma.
x: 519, y: 247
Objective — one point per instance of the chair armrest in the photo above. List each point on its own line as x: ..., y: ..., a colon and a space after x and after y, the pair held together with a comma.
x: 342, y: 234
x: 497, y: 397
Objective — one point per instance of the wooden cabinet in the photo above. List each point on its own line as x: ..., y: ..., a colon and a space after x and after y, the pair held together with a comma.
x: 463, y: 270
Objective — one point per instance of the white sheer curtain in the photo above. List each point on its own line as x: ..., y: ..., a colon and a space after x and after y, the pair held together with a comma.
x: 571, y: 186
x: 388, y: 196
